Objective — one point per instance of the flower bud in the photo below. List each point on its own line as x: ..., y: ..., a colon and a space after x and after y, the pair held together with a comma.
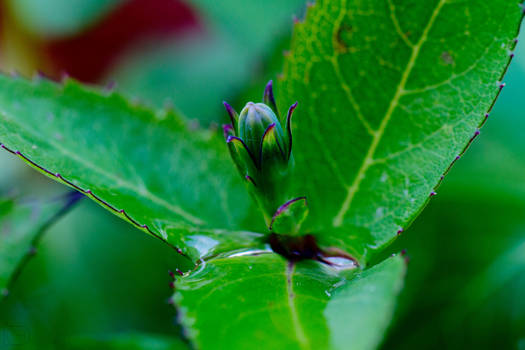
x: 262, y: 133
x: 262, y: 152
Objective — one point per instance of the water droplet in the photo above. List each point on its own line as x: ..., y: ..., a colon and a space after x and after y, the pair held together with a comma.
x: 340, y: 263
x: 339, y: 284
x: 203, y: 244
x: 250, y: 252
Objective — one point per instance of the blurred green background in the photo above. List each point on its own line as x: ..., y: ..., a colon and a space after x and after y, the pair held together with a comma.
x: 95, y: 276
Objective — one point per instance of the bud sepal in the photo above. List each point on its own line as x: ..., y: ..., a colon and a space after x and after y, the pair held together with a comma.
x: 289, y: 217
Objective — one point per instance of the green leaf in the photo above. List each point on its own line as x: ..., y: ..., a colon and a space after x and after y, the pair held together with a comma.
x: 236, y: 302
x: 59, y: 17
x: 21, y: 226
x: 484, y: 242
x: 497, y: 165
x: 389, y: 93
x: 150, y: 168
x: 127, y: 341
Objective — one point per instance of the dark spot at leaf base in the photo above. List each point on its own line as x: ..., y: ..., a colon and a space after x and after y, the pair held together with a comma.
x: 297, y: 248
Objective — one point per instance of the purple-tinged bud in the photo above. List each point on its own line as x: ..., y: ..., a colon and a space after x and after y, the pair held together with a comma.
x: 262, y: 152
x: 269, y: 99
x: 231, y: 112
x: 261, y: 131
x: 228, y: 130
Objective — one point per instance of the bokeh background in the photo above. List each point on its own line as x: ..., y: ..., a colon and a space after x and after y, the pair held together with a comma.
x: 96, y: 276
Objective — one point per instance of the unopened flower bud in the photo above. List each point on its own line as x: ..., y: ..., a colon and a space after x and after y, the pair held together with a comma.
x: 262, y: 150
x: 262, y: 133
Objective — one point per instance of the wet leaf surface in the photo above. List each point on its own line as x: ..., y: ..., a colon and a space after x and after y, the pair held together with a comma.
x: 236, y: 302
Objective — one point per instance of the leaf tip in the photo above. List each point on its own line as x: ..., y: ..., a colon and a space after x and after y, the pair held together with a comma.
x: 250, y: 179
x: 64, y: 76
x: 110, y: 86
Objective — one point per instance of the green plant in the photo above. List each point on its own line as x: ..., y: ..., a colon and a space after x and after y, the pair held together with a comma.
x: 391, y: 94
x: 22, y: 226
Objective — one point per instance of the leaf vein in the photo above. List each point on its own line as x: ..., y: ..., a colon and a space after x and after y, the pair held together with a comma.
x: 122, y: 183
x: 396, y: 24
x: 368, y: 160
x: 301, y: 336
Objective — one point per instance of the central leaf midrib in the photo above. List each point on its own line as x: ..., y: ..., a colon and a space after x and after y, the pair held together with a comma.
x: 368, y: 160
x: 297, y: 326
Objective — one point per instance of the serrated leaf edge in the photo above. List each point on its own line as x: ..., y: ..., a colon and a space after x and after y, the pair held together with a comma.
x: 501, y: 85
x: 287, y: 53
x: 119, y: 212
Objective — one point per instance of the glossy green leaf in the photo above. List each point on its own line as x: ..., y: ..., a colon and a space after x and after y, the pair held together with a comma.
x: 236, y: 302
x: 21, y: 225
x: 150, y: 168
x: 476, y: 225
x: 128, y: 341
x: 390, y: 93
x: 499, y: 155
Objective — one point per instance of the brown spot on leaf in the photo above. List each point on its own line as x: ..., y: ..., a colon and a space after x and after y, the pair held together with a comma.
x: 447, y: 58
x: 342, y: 37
